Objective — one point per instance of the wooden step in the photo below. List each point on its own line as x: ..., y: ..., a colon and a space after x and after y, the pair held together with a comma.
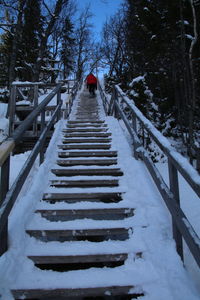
x: 67, y: 154
x: 62, y: 259
x: 106, y: 292
x: 87, y: 112
x: 87, y: 172
x: 81, y: 117
x: 92, y: 235
x: 85, y: 146
x: 86, y: 140
x: 86, y: 162
x: 76, y: 197
x: 88, y: 134
x: 84, y: 183
x: 86, y: 121
x: 91, y: 113
x: 85, y: 125
x: 95, y: 214
x: 85, y: 130
x: 78, y: 262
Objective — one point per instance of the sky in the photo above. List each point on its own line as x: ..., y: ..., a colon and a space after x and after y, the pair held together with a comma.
x: 102, y: 10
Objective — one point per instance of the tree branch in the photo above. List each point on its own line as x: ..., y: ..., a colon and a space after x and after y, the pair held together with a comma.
x: 47, y: 8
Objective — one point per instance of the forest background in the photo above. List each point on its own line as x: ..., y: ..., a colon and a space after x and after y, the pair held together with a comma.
x: 151, y: 48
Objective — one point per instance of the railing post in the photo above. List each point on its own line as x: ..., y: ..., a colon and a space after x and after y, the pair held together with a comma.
x: 143, y: 138
x: 41, y: 129
x: 12, y: 104
x: 198, y: 160
x: 112, y: 102
x: 58, y: 101
x: 68, y: 87
x: 134, y: 122
x: 35, y: 104
x: 174, y: 188
x: 4, y: 187
x: 115, y: 112
x: 134, y: 125
x: 66, y: 108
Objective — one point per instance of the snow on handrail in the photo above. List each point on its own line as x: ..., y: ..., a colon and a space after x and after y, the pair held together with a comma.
x: 182, y: 229
x: 180, y: 162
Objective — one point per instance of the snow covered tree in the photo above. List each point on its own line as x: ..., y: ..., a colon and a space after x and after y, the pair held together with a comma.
x: 162, y: 44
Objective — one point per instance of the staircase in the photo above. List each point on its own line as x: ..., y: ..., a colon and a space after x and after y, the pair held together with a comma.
x: 75, y: 225
x: 98, y: 229
x: 79, y: 227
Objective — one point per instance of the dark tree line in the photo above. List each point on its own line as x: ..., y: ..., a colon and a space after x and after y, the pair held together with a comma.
x: 159, y: 41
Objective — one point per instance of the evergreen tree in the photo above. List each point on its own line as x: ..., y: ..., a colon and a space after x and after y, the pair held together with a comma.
x: 31, y: 35
x: 162, y: 44
x: 5, y: 51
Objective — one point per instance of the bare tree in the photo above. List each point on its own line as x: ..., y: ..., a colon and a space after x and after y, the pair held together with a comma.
x: 83, y: 41
x: 61, y: 40
x: 52, y: 15
x: 96, y: 57
x: 113, y: 38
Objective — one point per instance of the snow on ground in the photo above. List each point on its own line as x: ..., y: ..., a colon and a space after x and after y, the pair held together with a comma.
x: 22, y: 212
x: 3, y: 109
x: 4, y: 124
x: 159, y: 272
x: 191, y: 207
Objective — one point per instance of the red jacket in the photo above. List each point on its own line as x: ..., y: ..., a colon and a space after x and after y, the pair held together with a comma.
x: 91, y: 79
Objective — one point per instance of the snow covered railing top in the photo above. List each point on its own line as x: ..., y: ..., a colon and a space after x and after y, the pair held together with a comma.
x: 182, y: 164
x: 29, y: 83
x: 123, y: 108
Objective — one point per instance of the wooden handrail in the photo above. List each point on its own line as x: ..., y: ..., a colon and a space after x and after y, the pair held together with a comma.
x: 16, y: 188
x: 189, y: 173
x: 7, y: 146
x: 8, y: 195
x: 5, y: 149
x: 181, y: 226
x: 17, y: 134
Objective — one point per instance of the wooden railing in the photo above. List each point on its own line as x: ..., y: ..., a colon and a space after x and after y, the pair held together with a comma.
x: 29, y: 91
x: 123, y: 108
x: 73, y: 94
x: 8, y: 195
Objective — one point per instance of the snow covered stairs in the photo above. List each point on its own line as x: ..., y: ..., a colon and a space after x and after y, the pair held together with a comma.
x: 79, y: 222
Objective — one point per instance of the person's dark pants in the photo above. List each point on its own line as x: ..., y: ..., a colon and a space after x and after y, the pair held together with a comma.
x: 92, y: 88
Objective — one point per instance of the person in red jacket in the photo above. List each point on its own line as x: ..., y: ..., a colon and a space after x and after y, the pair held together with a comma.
x: 91, y: 81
